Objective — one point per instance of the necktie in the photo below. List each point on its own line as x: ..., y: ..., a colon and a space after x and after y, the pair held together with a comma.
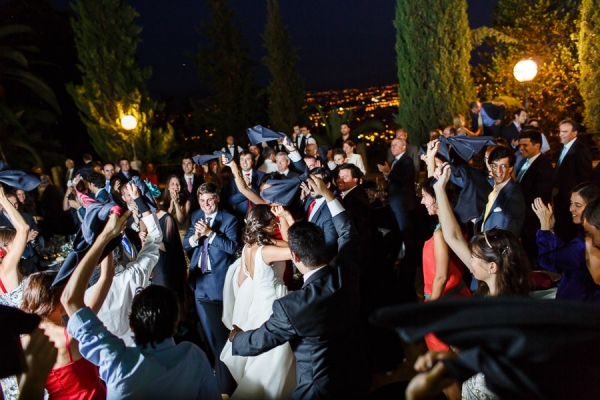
x: 519, y: 128
x: 247, y: 174
x: 310, y: 208
x: 203, y: 256
x: 342, y: 195
x: 523, y: 170
x: 562, y: 155
x: 480, y: 120
x: 490, y: 203
x: 190, y: 186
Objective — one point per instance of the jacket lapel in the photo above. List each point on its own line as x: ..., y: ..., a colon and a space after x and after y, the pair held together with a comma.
x: 317, y: 275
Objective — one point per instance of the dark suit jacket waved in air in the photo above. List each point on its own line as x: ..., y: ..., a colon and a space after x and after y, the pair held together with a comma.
x: 508, y: 210
x: 321, y: 323
x: 220, y: 253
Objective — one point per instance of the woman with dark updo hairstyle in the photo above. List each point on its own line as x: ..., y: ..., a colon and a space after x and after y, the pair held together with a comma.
x: 252, y: 284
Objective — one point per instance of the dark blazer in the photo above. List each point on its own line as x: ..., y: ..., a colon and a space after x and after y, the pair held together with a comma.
x: 322, y: 219
x: 103, y: 196
x: 220, y: 252
x: 401, y: 184
x: 536, y: 182
x: 413, y: 153
x: 291, y: 174
x: 237, y: 199
x: 132, y: 173
x: 321, y: 323
x: 493, y: 111
x: 85, y: 170
x: 576, y: 167
x: 510, y: 133
x: 508, y: 210
x: 357, y: 203
x: 192, y: 196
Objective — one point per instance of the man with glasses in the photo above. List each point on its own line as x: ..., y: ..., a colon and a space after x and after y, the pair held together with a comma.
x: 505, y: 208
x: 210, y: 243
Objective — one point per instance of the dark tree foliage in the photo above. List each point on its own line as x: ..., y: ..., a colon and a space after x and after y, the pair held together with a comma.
x: 286, y: 89
x: 113, y: 85
x: 233, y: 104
x: 545, y: 31
x: 433, y: 44
x: 589, y: 62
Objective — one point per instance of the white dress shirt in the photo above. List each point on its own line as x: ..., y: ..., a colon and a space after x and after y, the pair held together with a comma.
x: 195, y: 244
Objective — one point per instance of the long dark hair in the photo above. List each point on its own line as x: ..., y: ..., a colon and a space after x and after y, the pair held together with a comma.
x: 503, y: 248
x: 258, y: 219
x: 165, y: 200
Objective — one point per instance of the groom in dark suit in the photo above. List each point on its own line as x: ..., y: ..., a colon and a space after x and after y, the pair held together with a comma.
x: 210, y: 243
x: 321, y: 320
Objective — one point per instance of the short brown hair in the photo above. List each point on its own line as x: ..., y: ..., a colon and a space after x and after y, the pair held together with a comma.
x: 208, y: 188
x: 38, y: 296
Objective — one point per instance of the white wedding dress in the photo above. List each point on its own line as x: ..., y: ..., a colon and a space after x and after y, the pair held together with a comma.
x: 271, y: 375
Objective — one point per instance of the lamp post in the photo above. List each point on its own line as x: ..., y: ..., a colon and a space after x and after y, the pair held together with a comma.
x: 129, y: 123
x: 524, y: 71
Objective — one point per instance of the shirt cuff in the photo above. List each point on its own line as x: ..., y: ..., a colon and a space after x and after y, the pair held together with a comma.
x: 335, y: 207
x: 192, y: 242
x: 295, y: 156
x: 79, y: 319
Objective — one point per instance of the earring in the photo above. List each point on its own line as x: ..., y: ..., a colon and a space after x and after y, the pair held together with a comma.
x: 489, y: 271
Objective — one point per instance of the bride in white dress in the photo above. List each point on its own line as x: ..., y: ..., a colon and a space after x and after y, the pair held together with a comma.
x: 252, y: 284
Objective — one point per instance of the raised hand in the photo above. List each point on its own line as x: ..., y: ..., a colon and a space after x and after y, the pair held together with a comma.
x: 544, y: 214
x: 442, y: 174
x: 134, y: 191
x: 318, y: 186
x: 115, y: 225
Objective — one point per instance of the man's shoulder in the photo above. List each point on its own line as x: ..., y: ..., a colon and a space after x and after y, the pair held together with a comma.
x: 196, y: 215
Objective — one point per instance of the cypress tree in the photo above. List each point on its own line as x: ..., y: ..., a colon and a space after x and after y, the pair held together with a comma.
x: 589, y: 62
x: 545, y: 31
x: 433, y: 49
x: 224, y: 63
x: 286, y: 89
x: 113, y: 85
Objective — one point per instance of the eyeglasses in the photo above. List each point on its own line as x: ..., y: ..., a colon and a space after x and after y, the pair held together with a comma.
x: 499, y: 166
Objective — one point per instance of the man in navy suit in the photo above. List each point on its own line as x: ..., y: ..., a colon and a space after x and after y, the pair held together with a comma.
x: 489, y: 115
x: 511, y: 132
x: 321, y: 321
x: 317, y: 212
x: 400, y: 177
x: 126, y: 172
x: 190, y: 182
x: 534, y: 175
x: 210, y: 243
x: 97, y: 183
x: 505, y: 208
x: 252, y: 178
x: 573, y: 167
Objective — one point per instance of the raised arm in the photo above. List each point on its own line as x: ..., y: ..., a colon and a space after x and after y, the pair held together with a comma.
x: 241, y: 184
x: 102, y: 287
x: 442, y: 265
x: 451, y: 229
x: 9, y: 269
x: 72, y: 297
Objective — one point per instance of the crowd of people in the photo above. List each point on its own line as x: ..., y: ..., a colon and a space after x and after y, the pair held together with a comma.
x: 253, y: 272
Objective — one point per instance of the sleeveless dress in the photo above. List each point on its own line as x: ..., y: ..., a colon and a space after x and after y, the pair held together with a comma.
x: 271, y: 375
x: 77, y: 380
x: 455, y: 286
x: 10, y: 386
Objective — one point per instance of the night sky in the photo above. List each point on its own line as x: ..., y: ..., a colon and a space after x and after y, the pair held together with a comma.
x: 341, y: 43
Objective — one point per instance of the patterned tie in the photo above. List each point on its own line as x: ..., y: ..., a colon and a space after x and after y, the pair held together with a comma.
x: 190, y: 185
x: 490, y: 203
x: 523, y: 170
x: 310, y: 208
x: 247, y: 174
x: 203, y: 256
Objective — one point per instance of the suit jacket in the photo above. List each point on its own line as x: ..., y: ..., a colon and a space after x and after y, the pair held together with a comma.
x: 322, y: 218
x: 575, y: 168
x: 510, y: 133
x: 86, y: 170
x: 413, y: 153
x: 237, y: 199
x: 220, y: 252
x: 103, y: 196
x: 132, y: 173
x: 536, y: 182
x: 290, y: 174
x: 321, y: 323
x: 192, y: 196
x: 508, y: 210
x: 401, y: 184
x: 493, y: 111
x: 357, y: 203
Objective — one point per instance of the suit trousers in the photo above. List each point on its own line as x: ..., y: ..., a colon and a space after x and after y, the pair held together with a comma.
x: 216, y: 333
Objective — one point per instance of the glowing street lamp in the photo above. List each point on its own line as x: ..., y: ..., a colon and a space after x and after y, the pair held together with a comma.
x: 524, y: 71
